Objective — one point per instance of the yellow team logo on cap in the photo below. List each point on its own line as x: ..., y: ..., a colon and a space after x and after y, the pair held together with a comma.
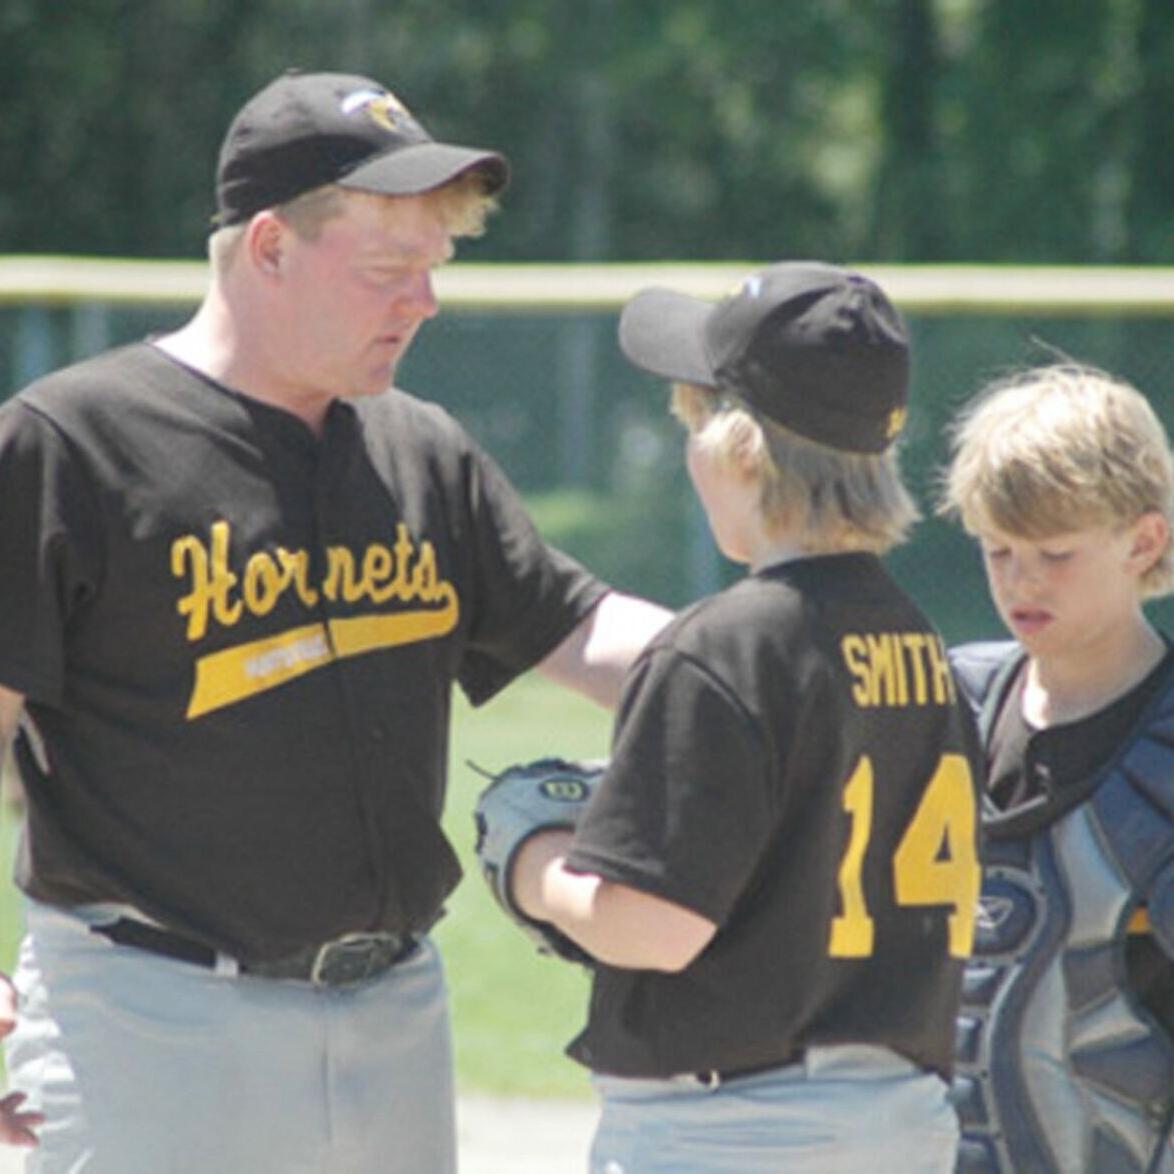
x: 381, y: 106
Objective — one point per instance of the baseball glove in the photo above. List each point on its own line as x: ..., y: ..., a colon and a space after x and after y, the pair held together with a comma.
x: 521, y: 801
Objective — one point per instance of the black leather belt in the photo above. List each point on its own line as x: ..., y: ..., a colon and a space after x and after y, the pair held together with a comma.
x: 346, y: 961
x: 715, y: 1077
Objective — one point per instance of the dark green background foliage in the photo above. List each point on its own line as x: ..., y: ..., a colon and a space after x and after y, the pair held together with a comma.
x: 589, y: 441
x: 904, y: 130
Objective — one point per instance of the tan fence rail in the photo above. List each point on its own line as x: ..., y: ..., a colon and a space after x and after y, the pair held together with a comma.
x: 1085, y: 290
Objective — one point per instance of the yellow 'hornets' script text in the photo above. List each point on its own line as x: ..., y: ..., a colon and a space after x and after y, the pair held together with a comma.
x: 399, y: 572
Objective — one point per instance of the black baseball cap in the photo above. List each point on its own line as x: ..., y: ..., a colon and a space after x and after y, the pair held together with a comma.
x: 304, y: 130
x: 818, y: 349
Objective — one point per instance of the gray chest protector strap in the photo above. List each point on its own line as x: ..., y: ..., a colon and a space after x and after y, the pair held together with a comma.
x: 1057, y: 1064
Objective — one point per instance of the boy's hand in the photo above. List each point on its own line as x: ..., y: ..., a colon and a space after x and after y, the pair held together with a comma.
x: 522, y: 803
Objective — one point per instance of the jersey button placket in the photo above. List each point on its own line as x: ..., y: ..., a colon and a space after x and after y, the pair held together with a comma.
x: 336, y: 451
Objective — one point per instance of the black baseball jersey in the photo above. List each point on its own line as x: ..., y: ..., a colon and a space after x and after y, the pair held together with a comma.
x: 790, y: 761
x: 238, y: 641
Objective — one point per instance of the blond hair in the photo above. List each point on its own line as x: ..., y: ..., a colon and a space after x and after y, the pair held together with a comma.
x: 1060, y: 448
x: 463, y: 205
x: 826, y: 500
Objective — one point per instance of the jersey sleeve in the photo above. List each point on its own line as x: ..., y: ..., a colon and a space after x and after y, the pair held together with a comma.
x: 686, y: 805
x: 50, y: 542
x: 529, y: 596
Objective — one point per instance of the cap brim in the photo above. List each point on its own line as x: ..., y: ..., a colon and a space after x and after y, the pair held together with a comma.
x: 663, y: 332
x: 424, y: 166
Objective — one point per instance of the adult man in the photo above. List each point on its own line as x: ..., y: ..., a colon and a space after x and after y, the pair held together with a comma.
x: 241, y: 577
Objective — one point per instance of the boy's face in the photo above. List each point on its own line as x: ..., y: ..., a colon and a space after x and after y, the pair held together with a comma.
x: 1075, y: 591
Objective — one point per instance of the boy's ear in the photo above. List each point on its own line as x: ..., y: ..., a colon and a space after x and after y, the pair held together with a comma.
x: 1151, y: 536
x: 746, y: 462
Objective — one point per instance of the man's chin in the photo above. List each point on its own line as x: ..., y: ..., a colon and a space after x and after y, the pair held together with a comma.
x: 376, y: 385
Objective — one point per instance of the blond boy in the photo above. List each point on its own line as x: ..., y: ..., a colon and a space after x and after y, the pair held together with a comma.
x: 1066, y: 1043
x: 778, y: 873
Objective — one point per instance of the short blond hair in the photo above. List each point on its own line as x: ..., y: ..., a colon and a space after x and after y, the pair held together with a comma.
x: 464, y: 206
x: 827, y: 500
x: 1059, y: 448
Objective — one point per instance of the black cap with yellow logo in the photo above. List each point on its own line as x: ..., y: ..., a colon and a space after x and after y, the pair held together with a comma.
x: 818, y: 349
x: 305, y: 130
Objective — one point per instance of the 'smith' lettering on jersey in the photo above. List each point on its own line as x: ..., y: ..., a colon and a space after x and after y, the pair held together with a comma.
x: 401, y: 574
x: 897, y: 669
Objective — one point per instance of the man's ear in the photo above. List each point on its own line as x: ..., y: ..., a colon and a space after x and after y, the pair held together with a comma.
x: 265, y: 242
x: 1151, y: 536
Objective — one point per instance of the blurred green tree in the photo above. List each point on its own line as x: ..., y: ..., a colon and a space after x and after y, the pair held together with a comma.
x: 902, y: 130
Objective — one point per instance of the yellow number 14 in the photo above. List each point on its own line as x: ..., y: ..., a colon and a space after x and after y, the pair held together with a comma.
x: 936, y: 862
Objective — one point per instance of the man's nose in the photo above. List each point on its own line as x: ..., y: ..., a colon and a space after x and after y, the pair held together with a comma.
x: 419, y: 299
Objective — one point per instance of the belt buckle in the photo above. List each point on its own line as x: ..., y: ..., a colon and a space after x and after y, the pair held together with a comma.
x: 354, y: 958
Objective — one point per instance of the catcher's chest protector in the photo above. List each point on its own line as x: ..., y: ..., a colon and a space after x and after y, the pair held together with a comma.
x: 1058, y: 1070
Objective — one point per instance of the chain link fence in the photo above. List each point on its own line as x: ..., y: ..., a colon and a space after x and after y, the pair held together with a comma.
x: 538, y: 378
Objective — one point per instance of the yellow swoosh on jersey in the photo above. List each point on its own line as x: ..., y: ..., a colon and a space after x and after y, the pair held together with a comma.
x: 233, y: 674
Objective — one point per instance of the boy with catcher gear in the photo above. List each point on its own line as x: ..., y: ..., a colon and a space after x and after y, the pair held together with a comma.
x: 241, y: 574
x: 778, y: 874
x: 1066, y: 1038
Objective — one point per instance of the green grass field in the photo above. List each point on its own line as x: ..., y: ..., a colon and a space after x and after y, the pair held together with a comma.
x: 513, y: 1010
